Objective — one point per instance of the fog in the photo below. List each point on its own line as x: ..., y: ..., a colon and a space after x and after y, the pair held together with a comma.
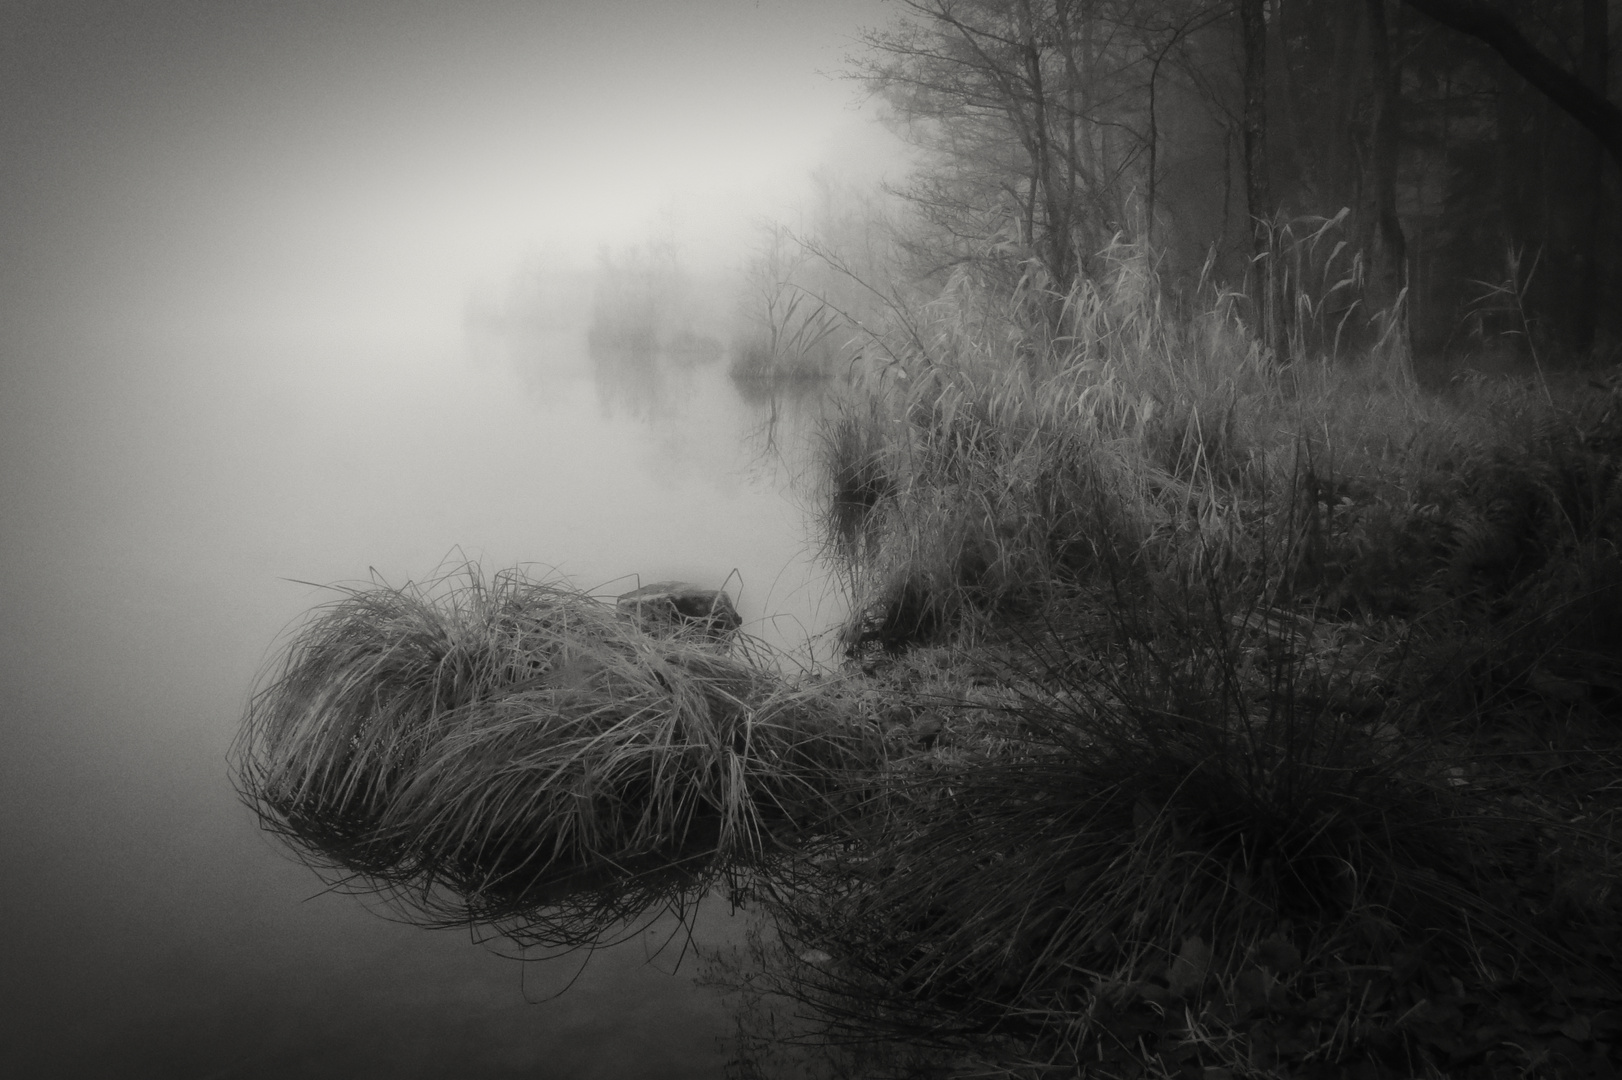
x: 239, y: 245
x: 350, y: 167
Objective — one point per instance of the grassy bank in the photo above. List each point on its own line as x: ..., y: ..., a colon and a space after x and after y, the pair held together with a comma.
x: 1248, y: 718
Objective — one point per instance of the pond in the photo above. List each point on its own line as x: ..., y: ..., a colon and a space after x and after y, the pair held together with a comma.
x: 174, y: 503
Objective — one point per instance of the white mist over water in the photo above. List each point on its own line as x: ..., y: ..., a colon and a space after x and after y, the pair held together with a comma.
x: 303, y: 168
x: 237, y: 246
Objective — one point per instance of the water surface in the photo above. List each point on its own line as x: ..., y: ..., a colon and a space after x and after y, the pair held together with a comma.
x: 169, y: 501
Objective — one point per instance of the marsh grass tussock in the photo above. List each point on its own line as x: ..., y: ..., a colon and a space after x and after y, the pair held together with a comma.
x: 479, y: 747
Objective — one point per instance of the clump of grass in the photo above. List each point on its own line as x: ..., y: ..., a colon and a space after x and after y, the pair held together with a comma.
x: 851, y: 449
x: 510, y: 742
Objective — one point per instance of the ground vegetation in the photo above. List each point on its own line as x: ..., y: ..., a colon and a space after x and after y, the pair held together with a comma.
x: 1244, y: 720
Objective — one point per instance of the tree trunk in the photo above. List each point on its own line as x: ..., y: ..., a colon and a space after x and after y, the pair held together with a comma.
x: 1258, y: 187
x: 1258, y: 182
x: 1389, y: 257
x: 1056, y: 246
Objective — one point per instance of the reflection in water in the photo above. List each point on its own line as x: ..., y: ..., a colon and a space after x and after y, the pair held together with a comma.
x: 648, y: 332
x: 644, y: 301
x: 789, y: 417
x: 642, y: 383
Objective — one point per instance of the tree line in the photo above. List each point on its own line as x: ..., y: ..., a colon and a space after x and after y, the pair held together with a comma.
x: 1466, y: 154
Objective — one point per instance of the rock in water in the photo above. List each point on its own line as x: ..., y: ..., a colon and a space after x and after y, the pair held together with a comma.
x: 674, y: 605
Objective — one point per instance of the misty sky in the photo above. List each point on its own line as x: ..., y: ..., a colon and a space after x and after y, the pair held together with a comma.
x: 197, y: 166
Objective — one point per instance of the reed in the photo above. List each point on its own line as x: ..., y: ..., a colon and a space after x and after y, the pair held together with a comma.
x: 507, y: 742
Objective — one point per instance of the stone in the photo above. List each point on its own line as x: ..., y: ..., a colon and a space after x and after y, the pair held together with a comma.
x: 666, y: 606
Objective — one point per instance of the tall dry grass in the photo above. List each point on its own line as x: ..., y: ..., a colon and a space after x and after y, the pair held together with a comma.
x: 978, y: 458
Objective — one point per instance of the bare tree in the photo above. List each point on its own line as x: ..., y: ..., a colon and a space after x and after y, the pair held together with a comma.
x: 1038, y: 114
x: 1389, y: 249
x: 1258, y: 182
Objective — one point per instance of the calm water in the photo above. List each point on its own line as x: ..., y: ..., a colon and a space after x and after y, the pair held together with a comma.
x: 163, y: 498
